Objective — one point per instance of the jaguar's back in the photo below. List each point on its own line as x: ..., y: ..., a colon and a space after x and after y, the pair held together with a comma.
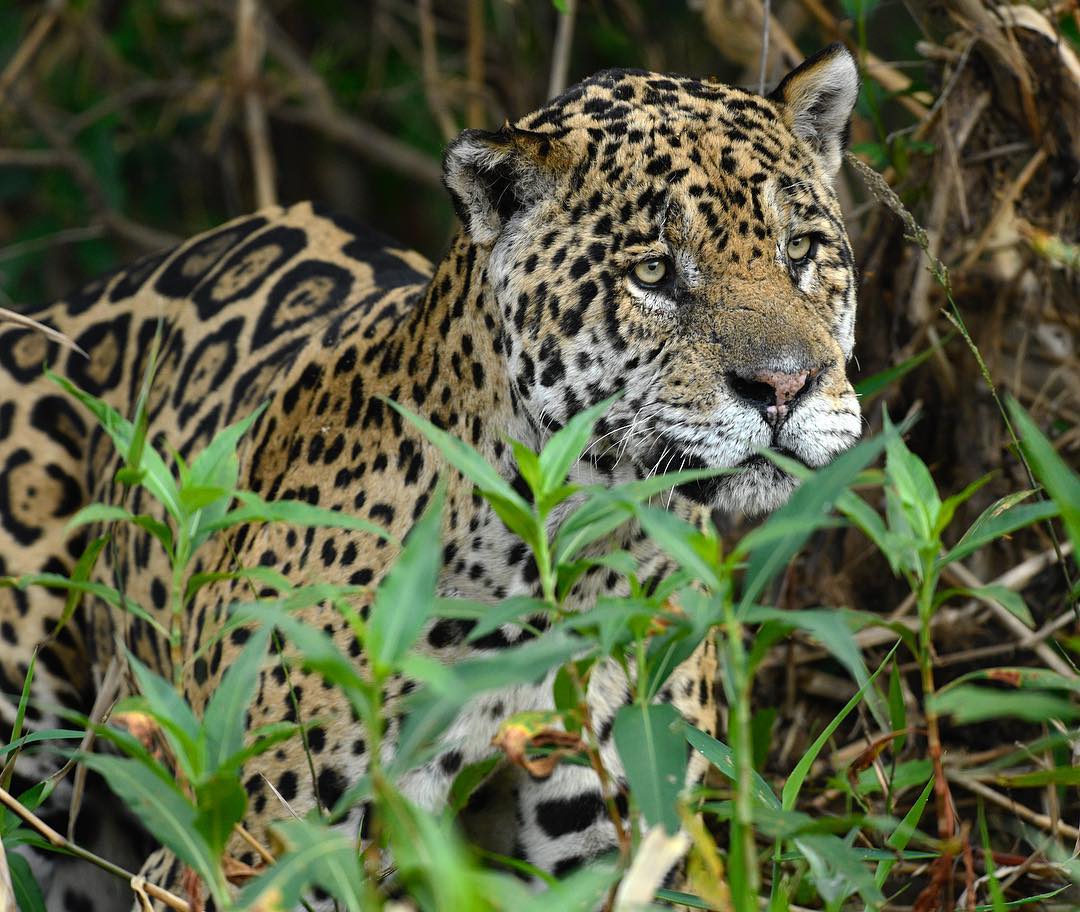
x: 235, y: 309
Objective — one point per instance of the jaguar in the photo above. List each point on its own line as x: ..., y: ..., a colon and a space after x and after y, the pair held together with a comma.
x: 671, y: 238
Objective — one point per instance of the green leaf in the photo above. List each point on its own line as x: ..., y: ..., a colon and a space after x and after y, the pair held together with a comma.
x: 431, y: 709
x: 99, y: 512
x: 997, y: 895
x: 465, y: 459
x: 314, y: 650
x: 429, y: 855
x: 649, y: 742
x: 215, y: 471
x: 897, y: 710
x: 566, y: 445
x: 997, y: 521
x: 808, y: 508
x: 90, y: 587
x: 293, y: 512
x: 798, y: 775
x: 831, y: 630
x: 469, y: 779
x: 406, y: 596
x: 106, y: 513
x: 901, y: 836
x: 908, y: 475
x: 316, y: 855
x: 837, y: 869
x: 28, y: 896
x: 44, y: 734
x: 173, y: 714
x: 1062, y: 484
x: 163, y: 810
x: 967, y: 704
x: 870, y: 386
x: 951, y: 503
x: 157, y: 478
x: 682, y: 541
x: 224, y: 720
x: 80, y: 573
x: 220, y: 802
x: 605, y: 509
x: 723, y: 758
x: 1059, y: 775
x: 1007, y: 598
x: 265, y: 576
x: 581, y: 891
x: 529, y: 466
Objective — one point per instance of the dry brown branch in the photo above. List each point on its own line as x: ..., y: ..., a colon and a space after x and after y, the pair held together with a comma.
x: 125, y: 98
x: 40, y: 827
x: 1004, y: 207
x: 429, y: 60
x: 735, y: 27
x: 99, y: 713
x: 890, y: 78
x: 371, y: 142
x: 250, y: 46
x: 29, y: 46
x: 919, y: 310
x: 319, y: 112
x: 10, y: 316
x: 560, y: 54
x: 1050, y: 658
x: 1020, y: 810
x: 63, y: 154
x: 474, y: 68
x: 56, y: 239
x: 7, y: 889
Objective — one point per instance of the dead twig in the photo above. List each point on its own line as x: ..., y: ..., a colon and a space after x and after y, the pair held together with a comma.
x: 766, y: 18
x: 40, y: 827
x: 1020, y: 810
x: 250, y: 46
x: 63, y: 154
x: 11, y: 316
x: 319, y: 112
x: 429, y: 64
x: 1004, y: 206
x: 1051, y: 659
x: 29, y: 46
x: 474, y: 66
x: 560, y: 55
x: 56, y: 239
x: 369, y: 141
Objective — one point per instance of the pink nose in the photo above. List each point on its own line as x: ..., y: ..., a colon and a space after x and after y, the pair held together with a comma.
x: 785, y: 386
x: 773, y: 393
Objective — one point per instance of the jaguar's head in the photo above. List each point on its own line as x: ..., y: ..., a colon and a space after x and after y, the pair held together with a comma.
x: 681, y: 240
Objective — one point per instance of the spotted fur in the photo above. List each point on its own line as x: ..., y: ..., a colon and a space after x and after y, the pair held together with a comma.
x: 532, y: 315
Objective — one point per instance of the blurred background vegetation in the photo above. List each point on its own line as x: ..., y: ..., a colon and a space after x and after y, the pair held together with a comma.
x: 125, y: 126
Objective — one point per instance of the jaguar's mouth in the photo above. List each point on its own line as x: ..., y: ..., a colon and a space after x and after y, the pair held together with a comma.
x: 754, y: 485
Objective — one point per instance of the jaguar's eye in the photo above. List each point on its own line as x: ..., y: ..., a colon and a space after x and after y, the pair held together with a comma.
x: 799, y: 247
x: 652, y: 271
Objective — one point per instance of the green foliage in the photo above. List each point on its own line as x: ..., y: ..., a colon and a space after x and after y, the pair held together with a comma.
x: 192, y: 797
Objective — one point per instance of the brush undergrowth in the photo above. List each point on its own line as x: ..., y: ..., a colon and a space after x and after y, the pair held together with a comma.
x: 190, y: 797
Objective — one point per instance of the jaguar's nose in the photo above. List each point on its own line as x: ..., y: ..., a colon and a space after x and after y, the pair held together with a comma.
x: 773, y: 393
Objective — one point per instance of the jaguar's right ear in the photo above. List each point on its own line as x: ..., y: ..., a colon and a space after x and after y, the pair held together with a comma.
x: 492, y: 176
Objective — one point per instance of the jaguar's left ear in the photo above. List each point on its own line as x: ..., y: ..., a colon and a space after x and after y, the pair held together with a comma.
x: 817, y: 99
x: 492, y: 176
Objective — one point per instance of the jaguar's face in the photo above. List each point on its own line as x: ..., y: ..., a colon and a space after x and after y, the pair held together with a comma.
x: 681, y: 241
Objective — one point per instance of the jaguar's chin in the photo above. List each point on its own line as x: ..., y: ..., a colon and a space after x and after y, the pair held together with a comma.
x: 752, y: 487
x: 759, y: 486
